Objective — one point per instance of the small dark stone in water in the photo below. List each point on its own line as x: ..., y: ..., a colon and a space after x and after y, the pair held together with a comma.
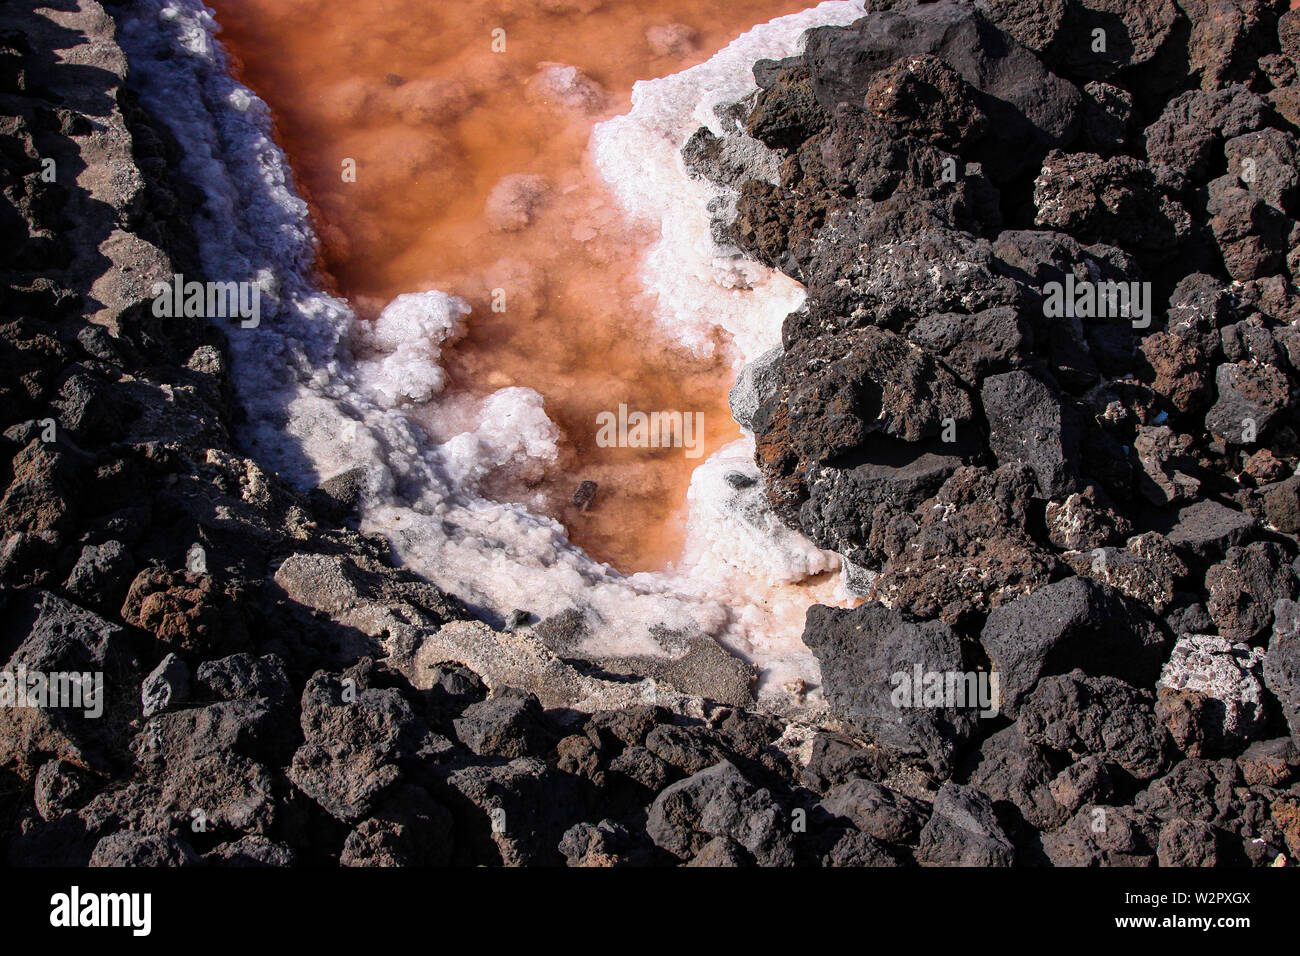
x: 585, y: 495
x: 740, y: 480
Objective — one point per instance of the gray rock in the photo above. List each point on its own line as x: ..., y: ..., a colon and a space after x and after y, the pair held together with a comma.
x: 47, y: 634
x: 1251, y: 398
x: 1208, y: 528
x: 507, y: 724
x: 408, y: 829
x: 716, y: 802
x: 517, y: 812
x: 61, y: 787
x: 861, y: 650
x: 964, y: 831
x: 101, y: 575
x: 167, y: 684
x: 251, y: 850
x: 857, y: 849
x: 757, y: 383
x: 1188, y: 843
x: 690, y: 748
x: 884, y: 814
x: 355, y: 737
x: 1015, y: 771
x: 1028, y: 423
x: 244, y: 677
x: 721, y: 851
x: 1282, y: 662
x: 1244, y: 587
x: 1029, y: 109
x: 1096, y: 716
x: 1072, y: 623
x: 129, y: 848
x: 1282, y: 504
x: 1103, y: 836
x: 1194, y: 123
x: 1088, y: 781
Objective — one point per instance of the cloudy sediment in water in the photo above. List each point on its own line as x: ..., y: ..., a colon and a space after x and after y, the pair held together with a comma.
x: 327, y: 395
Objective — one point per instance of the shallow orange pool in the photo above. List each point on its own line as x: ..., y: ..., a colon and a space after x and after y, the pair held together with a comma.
x: 441, y: 145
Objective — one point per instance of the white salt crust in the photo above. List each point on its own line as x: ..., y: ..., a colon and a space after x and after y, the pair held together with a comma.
x: 325, y: 394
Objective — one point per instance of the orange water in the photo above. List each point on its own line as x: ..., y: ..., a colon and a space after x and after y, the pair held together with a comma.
x: 419, y: 99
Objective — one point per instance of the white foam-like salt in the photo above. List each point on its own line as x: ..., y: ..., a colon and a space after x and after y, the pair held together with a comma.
x: 325, y: 394
x: 639, y: 155
x: 400, y: 350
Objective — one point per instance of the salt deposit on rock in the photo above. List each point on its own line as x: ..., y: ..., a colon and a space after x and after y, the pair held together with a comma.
x: 1228, y: 673
x: 700, y: 285
x: 405, y: 344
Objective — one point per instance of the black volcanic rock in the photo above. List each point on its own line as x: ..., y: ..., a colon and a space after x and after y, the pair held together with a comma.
x: 964, y: 831
x: 1072, y: 623
x: 1096, y: 717
x: 1028, y: 108
x: 861, y: 651
x: 1282, y: 662
x: 884, y: 814
x: 1031, y: 425
x: 720, y: 802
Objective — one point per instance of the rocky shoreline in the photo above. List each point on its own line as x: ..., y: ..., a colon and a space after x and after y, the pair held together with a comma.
x: 1062, y: 502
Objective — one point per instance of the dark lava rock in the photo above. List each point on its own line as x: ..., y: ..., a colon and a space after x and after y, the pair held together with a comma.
x: 1028, y: 108
x: 1071, y: 623
x: 1184, y: 843
x: 1207, y: 528
x: 1244, y: 587
x: 100, y: 577
x: 884, y: 814
x: 61, y: 787
x: 408, y: 829
x: 722, y: 851
x: 1282, y: 504
x: 1282, y: 662
x: 1194, y: 790
x: 861, y: 653
x: 167, y: 684
x: 1086, y: 782
x: 968, y: 550
x: 1109, y: 200
x: 355, y: 738
x: 88, y: 723
x: 837, y: 759
x: 716, y: 802
x: 857, y: 849
x: 964, y: 831
x: 244, y: 677
x: 517, y: 811
x: 1270, y: 762
x: 1195, y: 123
x: 603, y: 844
x: 690, y: 749
x: 251, y: 851
x: 1103, y: 836
x: 507, y: 724
x: 1012, y: 770
x: 1096, y: 716
x: 1028, y: 423
x: 143, y: 849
